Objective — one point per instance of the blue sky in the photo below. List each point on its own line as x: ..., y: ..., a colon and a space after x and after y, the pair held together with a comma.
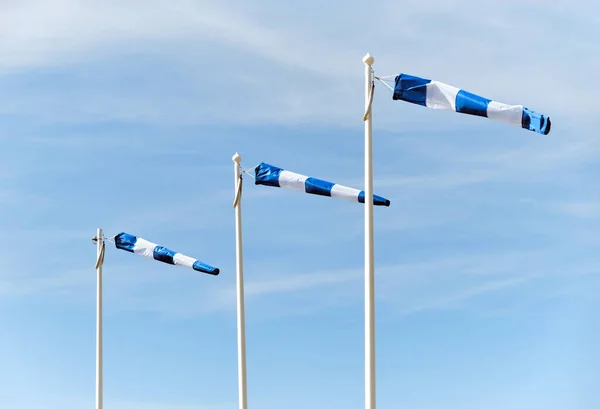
x: 125, y: 115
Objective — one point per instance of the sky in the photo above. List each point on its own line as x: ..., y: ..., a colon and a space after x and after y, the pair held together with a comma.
x: 124, y: 115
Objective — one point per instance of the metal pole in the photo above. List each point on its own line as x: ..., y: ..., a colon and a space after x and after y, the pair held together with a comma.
x: 239, y: 263
x: 99, y: 261
x: 369, y: 248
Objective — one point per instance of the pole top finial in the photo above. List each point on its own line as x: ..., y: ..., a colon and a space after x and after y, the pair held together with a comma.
x: 236, y: 158
x: 368, y: 59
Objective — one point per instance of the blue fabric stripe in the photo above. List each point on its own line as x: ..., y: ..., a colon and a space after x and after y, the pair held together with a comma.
x: 205, y: 268
x: 125, y: 241
x: 411, y: 89
x: 467, y: 103
x: 164, y: 254
x: 268, y: 175
x: 318, y: 187
x: 533, y: 121
x: 377, y: 200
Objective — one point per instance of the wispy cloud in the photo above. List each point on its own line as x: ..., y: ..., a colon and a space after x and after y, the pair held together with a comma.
x: 307, y: 71
x: 48, y: 38
x: 166, y: 405
x: 435, y: 181
x: 582, y: 210
x: 16, y: 285
x: 407, y: 288
x: 447, y: 282
x: 458, y: 299
x: 299, y: 282
x: 72, y: 403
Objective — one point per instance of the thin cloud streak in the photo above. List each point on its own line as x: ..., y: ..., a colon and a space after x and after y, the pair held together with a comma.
x: 321, y: 69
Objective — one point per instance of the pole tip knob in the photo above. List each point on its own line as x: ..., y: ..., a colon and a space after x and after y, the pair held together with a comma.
x: 236, y: 158
x: 368, y: 59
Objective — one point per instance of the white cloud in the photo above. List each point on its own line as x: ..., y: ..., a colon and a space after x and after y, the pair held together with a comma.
x: 292, y: 70
x: 36, y: 33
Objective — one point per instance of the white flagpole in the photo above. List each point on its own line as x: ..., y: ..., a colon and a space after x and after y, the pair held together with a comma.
x: 369, y: 248
x: 99, y: 261
x: 239, y: 263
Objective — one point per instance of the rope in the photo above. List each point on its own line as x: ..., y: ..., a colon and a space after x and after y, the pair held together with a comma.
x: 385, y: 84
x: 368, y: 112
x: 238, y: 194
x: 100, y: 259
x: 247, y: 172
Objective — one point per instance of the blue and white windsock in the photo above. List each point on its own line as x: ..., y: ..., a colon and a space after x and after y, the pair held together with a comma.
x: 137, y: 245
x: 437, y: 95
x: 270, y: 175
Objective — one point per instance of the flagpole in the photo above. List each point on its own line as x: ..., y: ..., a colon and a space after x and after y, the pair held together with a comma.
x: 99, y: 261
x: 369, y: 247
x: 239, y: 262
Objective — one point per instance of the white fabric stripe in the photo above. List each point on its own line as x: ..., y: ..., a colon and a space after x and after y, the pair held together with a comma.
x: 185, y: 261
x: 441, y: 96
x: 144, y: 248
x: 510, y: 114
x: 345, y: 192
x: 291, y: 180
